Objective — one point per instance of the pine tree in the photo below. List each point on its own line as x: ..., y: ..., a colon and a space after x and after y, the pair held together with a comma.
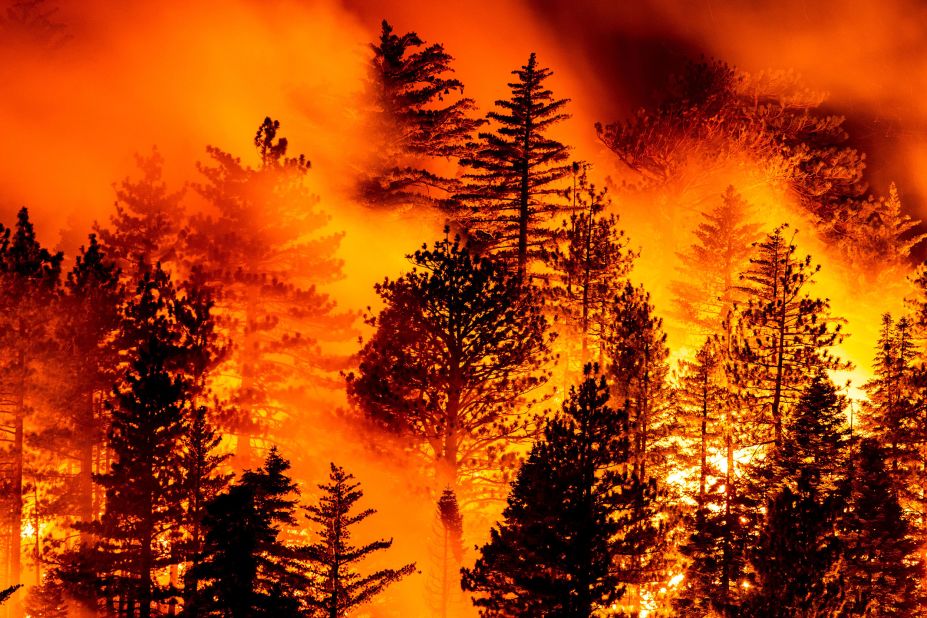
x: 29, y: 290
x: 798, y: 546
x: 708, y: 287
x: 784, y: 334
x: 450, y: 552
x: 412, y: 121
x: 245, y: 562
x: 596, y: 256
x: 146, y: 227
x: 458, y: 348
x: 635, y: 348
x: 513, y: 188
x: 881, y: 567
x: 262, y: 251
x: 713, y: 113
x: 203, y: 480
x: 636, y: 352
x: 91, y: 307
x: 46, y: 601
x: 331, y: 561
x: 144, y: 486
x: 716, y: 546
x: 571, y: 515
x: 891, y: 408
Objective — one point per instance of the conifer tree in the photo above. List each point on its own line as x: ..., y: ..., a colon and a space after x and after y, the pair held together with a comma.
x: 596, y: 256
x: 29, y: 290
x: 513, y: 188
x: 716, y: 547
x: 46, y: 601
x: 88, y: 353
x: 144, y: 486
x: 635, y: 347
x: 891, y: 408
x: 246, y: 565
x: 332, y: 560
x: 203, y: 480
x: 457, y: 350
x: 449, y: 549
x: 146, y: 226
x: 571, y: 516
x: 708, y: 287
x: 785, y: 334
x: 263, y: 249
x: 881, y: 568
x: 414, y: 121
x: 244, y: 561
x: 715, y: 113
x: 798, y: 546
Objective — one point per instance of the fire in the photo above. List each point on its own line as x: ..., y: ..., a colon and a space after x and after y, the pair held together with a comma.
x: 76, y: 108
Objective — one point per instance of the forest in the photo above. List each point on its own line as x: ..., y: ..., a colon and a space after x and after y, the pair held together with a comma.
x: 386, y: 339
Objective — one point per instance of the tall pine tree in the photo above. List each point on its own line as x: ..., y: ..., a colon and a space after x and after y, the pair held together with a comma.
x: 261, y: 248
x: 29, y: 289
x: 784, y: 335
x: 418, y: 116
x: 513, y: 188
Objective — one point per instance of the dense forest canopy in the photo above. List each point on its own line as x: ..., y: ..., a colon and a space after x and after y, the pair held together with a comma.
x: 379, y: 308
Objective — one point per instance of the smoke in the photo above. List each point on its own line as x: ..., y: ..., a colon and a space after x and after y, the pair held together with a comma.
x: 181, y: 75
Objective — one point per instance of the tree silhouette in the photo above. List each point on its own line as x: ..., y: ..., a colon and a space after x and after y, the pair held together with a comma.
x: 29, y: 288
x: 512, y: 189
x: 572, y: 513
x: 458, y: 348
x: 341, y: 587
x: 413, y: 122
x: 246, y: 566
x: 262, y: 249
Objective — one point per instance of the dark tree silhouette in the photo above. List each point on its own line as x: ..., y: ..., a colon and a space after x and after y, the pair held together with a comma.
x: 458, y: 347
x: 246, y: 568
x: 89, y: 319
x: 573, y: 512
x: 798, y: 547
x: 332, y: 560
x: 881, y: 564
x: 145, y: 486
x: 449, y: 549
x: 512, y: 190
x: 716, y: 547
x: 595, y: 260
x: 414, y: 121
x: 29, y: 289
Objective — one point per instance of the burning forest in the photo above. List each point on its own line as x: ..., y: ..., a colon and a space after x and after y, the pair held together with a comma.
x: 380, y: 308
